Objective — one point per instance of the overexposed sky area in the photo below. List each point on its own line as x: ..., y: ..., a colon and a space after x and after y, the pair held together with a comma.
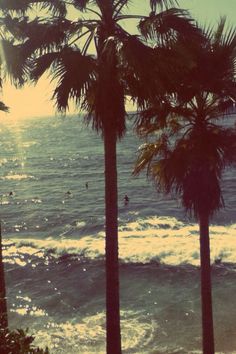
x: 32, y: 101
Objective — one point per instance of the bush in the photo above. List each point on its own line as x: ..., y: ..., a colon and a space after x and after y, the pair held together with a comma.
x: 18, y: 342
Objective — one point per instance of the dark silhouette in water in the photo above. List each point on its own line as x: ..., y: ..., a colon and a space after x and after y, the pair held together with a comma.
x: 126, y: 200
x: 86, y: 185
x: 218, y: 261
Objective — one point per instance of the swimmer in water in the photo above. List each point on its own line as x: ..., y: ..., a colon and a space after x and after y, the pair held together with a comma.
x: 126, y: 200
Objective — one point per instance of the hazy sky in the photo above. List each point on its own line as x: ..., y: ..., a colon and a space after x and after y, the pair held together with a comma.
x: 36, y: 100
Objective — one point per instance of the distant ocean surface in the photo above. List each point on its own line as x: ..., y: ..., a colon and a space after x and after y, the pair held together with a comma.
x: 53, y: 230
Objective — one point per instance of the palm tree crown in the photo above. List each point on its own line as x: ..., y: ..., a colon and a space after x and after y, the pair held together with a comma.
x: 191, y: 147
x: 65, y: 46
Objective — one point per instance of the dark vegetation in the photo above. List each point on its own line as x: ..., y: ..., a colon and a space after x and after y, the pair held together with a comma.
x: 18, y: 342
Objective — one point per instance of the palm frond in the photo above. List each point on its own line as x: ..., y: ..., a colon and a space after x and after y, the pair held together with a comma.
x: 81, y: 4
x: 136, y: 61
x: 16, y: 65
x: 208, y: 31
x: 168, y: 25
x: 229, y: 38
x: 43, y: 64
x: 73, y: 72
x: 21, y: 6
x: 153, y: 118
x: 217, y: 38
x: 12, y: 26
x: 119, y: 5
x: 57, y: 7
x: 53, y: 34
x: 223, y: 108
x: 162, y: 4
x: 148, y: 155
x: 56, y: 29
x: 191, y: 168
x: 3, y: 107
x: 225, y: 36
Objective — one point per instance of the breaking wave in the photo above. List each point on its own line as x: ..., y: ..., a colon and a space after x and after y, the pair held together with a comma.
x: 162, y: 240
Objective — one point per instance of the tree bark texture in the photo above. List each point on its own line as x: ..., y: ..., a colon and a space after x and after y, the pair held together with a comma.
x: 207, y: 316
x: 112, y: 261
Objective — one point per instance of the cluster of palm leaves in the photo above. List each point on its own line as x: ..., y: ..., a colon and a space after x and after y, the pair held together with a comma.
x: 181, y: 78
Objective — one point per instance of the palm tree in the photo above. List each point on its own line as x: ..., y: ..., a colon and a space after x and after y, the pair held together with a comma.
x: 3, y: 301
x: 97, y: 83
x: 191, y: 148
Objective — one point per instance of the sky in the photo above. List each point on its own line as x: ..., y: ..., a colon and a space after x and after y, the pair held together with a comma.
x: 34, y: 101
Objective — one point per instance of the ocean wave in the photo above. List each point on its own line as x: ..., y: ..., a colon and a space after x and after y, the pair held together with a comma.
x: 17, y: 177
x: 84, y: 334
x: 12, y: 160
x: 161, y: 240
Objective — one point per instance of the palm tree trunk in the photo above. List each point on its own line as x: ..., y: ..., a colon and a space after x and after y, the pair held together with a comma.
x: 207, y: 317
x: 3, y: 301
x: 112, y: 262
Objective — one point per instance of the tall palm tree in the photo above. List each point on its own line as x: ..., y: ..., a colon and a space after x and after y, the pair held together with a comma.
x: 191, y: 147
x: 3, y: 301
x: 98, y: 83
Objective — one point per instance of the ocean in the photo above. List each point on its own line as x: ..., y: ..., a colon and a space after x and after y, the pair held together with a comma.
x: 53, y: 232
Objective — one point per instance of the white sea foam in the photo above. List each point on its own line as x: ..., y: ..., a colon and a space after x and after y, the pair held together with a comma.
x: 26, y: 307
x: 87, y: 335
x: 4, y: 202
x: 165, y: 240
x: 28, y: 144
x: 31, y: 311
x: 82, y: 335
x: 36, y: 200
x: 17, y: 177
x: 3, y: 161
x: 80, y: 224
